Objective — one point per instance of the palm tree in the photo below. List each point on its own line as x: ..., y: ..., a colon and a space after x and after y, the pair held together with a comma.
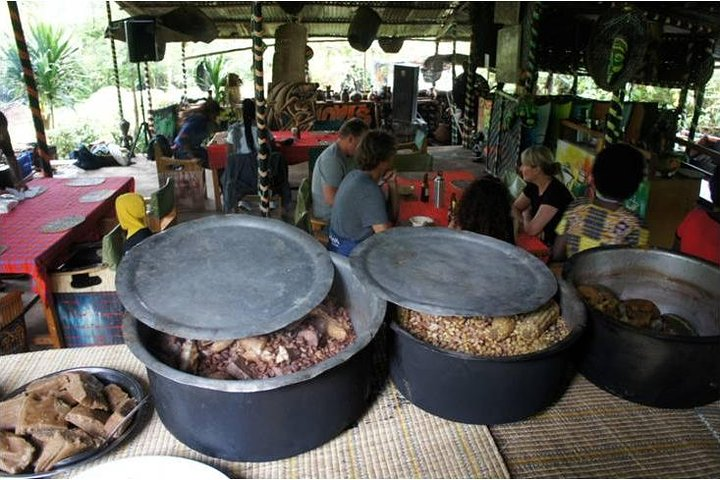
x: 54, y: 64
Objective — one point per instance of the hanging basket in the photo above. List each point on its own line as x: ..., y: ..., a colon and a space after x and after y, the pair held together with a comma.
x: 616, y: 49
x: 363, y: 28
x: 390, y: 44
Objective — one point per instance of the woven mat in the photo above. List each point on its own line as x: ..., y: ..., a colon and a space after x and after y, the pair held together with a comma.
x: 85, y: 181
x: 590, y: 433
x: 96, y: 196
x: 393, y: 440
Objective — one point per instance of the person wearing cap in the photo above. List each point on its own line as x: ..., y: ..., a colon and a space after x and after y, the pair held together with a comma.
x: 130, y: 210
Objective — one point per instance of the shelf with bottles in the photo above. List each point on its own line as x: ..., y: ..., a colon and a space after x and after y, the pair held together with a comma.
x: 583, y: 134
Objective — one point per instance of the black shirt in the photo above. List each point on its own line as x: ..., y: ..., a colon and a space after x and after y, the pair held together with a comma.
x: 556, y: 195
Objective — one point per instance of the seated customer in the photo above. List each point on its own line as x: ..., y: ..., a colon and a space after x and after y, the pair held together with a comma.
x: 197, y: 125
x: 130, y: 209
x: 603, y: 220
x: 360, y: 209
x: 540, y: 206
x: 699, y: 232
x: 485, y: 208
x: 332, y: 165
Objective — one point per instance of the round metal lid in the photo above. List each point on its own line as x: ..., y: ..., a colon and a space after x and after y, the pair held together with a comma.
x: 224, y: 277
x: 441, y: 271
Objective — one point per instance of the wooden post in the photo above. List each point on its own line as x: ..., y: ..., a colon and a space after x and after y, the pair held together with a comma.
x: 260, y: 108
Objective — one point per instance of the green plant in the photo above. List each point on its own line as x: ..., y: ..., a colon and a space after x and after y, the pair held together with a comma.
x: 210, y: 75
x: 69, y: 137
x: 54, y: 65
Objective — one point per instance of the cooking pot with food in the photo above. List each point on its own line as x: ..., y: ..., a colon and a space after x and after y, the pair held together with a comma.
x: 654, y: 325
x: 481, y: 332
x: 248, y: 281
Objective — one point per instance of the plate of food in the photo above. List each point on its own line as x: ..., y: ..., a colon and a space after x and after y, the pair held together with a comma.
x: 70, y: 413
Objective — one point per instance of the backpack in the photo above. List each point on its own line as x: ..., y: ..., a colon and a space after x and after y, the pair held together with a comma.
x: 164, y: 144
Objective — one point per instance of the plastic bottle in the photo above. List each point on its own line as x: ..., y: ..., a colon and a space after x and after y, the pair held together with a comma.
x: 439, y: 190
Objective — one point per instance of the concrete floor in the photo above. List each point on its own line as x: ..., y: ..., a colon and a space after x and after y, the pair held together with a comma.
x: 145, y: 174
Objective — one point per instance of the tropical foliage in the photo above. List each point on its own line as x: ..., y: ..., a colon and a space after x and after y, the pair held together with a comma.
x: 54, y: 61
x: 210, y: 76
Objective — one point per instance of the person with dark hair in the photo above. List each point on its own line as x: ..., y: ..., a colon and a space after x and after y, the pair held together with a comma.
x: 485, y: 208
x: 542, y: 203
x: 699, y: 232
x: 603, y: 220
x: 360, y: 209
x: 197, y: 125
x: 7, y: 149
x: 130, y: 211
x: 333, y: 164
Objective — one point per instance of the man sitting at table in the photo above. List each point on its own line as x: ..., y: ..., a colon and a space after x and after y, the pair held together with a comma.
x: 333, y: 164
x: 360, y: 209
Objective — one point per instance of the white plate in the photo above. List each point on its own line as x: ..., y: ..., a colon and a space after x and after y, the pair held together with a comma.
x: 151, y: 466
x: 421, y: 221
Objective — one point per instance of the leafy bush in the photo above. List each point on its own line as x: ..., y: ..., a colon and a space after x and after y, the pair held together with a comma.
x: 68, y: 138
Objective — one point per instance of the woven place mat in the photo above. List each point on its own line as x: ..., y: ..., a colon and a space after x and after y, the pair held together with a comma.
x: 394, y: 439
x: 591, y: 433
x: 3, y: 248
x: 96, y: 196
x: 85, y: 181
x: 62, y: 224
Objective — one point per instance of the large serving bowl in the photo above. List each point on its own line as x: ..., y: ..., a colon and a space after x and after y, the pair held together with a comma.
x: 640, y: 365
x: 485, y: 390
x: 269, y: 419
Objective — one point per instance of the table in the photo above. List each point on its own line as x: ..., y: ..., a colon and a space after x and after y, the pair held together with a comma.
x: 32, y: 252
x: 298, y: 151
x: 455, y: 182
x: 586, y: 433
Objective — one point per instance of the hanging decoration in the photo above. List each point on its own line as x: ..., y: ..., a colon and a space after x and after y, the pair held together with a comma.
x: 150, y: 120
x: 364, y: 26
x: 264, y: 152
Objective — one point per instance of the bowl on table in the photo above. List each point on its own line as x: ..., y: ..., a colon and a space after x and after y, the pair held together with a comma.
x: 421, y: 221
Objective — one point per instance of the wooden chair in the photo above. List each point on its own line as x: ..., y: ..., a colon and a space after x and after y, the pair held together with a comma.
x: 303, y: 214
x: 419, y: 143
x: 112, y: 247
x: 162, y: 212
x: 188, y: 178
x: 413, y: 162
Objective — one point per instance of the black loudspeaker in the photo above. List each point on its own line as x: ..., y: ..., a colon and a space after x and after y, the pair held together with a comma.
x: 142, y: 41
x: 405, y: 91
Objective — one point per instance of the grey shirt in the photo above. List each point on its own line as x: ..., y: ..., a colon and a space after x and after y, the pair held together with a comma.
x: 330, y: 169
x: 359, y: 204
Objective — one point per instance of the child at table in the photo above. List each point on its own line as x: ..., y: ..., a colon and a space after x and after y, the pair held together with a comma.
x: 130, y: 209
x: 603, y: 220
x: 485, y: 208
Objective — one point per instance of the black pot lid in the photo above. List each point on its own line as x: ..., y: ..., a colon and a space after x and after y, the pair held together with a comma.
x: 441, y: 271
x: 224, y: 277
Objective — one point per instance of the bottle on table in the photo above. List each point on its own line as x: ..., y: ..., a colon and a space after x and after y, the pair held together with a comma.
x: 439, y: 190
x: 425, y: 190
x: 452, y: 209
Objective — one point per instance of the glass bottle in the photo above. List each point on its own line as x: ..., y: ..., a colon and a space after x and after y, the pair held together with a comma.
x: 452, y: 209
x: 425, y: 190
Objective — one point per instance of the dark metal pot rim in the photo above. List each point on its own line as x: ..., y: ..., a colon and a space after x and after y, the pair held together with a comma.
x: 559, y: 347
x: 597, y: 315
x: 132, y: 339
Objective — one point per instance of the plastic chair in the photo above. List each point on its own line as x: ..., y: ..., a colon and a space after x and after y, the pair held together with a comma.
x: 413, y: 162
x: 162, y: 212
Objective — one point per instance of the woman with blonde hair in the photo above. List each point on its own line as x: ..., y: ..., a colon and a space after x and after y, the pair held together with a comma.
x: 544, y: 199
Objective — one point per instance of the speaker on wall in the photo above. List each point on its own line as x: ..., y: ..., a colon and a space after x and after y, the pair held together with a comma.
x: 142, y: 41
x: 405, y: 91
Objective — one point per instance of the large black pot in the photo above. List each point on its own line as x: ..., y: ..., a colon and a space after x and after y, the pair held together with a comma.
x: 262, y: 420
x: 485, y: 390
x: 640, y: 365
